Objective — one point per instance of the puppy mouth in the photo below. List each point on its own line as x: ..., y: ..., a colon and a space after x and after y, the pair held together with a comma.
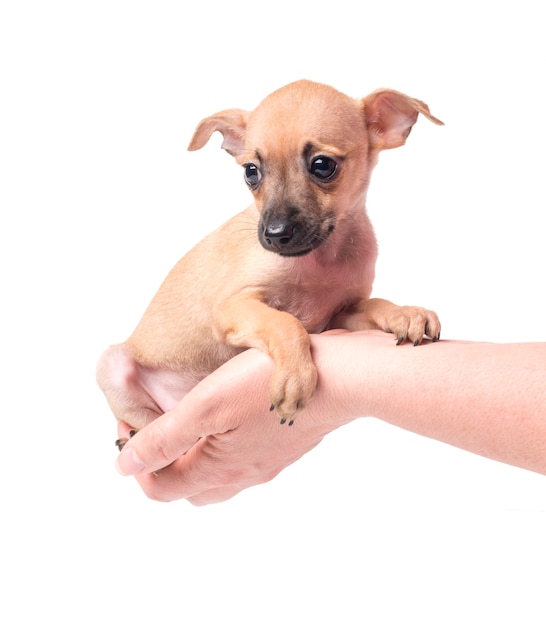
x: 292, y: 239
x: 314, y: 243
x: 293, y: 254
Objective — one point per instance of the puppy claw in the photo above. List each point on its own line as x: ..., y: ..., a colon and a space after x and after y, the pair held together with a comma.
x: 283, y: 418
x: 400, y: 340
x: 121, y: 442
x: 283, y: 421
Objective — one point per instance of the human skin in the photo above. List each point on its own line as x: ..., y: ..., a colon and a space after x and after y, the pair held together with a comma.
x: 487, y: 398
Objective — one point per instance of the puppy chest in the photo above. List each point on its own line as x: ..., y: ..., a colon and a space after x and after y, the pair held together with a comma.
x: 313, y: 306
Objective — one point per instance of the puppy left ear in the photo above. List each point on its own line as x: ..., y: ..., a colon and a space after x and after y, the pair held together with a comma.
x: 390, y: 116
x: 232, y: 125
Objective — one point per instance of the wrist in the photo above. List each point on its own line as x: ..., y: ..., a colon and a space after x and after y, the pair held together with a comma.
x: 345, y: 388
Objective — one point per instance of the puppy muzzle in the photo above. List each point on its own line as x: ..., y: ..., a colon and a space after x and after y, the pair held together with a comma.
x: 293, y: 235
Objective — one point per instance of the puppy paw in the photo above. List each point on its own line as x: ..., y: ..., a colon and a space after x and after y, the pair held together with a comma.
x: 121, y: 442
x: 413, y: 323
x: 291, y: 390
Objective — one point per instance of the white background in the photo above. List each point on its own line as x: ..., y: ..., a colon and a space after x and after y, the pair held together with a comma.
x: 99, y: 198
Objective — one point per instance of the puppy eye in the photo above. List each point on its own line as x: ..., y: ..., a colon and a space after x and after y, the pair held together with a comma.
x: 252, y: 174
x: 323, y: 167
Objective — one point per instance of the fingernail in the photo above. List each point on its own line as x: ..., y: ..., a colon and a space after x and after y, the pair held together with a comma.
x: 128, y: 462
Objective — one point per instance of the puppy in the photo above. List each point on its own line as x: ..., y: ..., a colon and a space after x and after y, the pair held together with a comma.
x: 300, y: 259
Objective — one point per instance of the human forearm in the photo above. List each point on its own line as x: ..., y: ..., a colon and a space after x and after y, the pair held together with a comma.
x: 486, y: 398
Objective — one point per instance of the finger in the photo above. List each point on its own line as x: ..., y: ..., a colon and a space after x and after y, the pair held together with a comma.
x: 177, y: 481
x: 214, y: 496
x: 167, y: 486
x: 162, y: 441
x: 197, y: 476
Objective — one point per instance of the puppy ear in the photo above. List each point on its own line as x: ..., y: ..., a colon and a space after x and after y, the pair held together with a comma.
x: 390, y: 116
x: 232, y: 125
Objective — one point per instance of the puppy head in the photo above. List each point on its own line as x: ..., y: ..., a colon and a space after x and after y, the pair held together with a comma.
x: 307, y: 152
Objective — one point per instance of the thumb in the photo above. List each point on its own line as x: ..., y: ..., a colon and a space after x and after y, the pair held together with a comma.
x: 159, y: 443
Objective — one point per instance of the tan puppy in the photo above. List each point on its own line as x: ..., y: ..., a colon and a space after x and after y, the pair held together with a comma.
x: 300, y: 259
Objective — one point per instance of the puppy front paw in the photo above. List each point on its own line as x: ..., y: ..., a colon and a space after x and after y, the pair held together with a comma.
x: 412, y: 323
x: 291, y: 390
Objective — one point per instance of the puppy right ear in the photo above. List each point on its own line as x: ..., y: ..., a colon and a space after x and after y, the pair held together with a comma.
x: 232, y: 125
x: 390, y: 116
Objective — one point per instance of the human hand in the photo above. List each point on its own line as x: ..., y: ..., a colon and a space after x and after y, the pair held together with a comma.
x: 222, y: 438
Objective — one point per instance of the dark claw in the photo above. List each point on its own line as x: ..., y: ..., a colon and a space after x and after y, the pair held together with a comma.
x: 272, y: 407
x: 400, y: 340
x: 416, y: 342
x: 290, y: 423
x: 283, y: 420
x: 121, y: 442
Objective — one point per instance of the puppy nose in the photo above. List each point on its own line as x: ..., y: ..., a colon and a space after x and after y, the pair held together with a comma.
x: 278, y: 232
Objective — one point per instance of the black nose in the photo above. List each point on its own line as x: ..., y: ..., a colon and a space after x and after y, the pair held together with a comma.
x: 278, y: 233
